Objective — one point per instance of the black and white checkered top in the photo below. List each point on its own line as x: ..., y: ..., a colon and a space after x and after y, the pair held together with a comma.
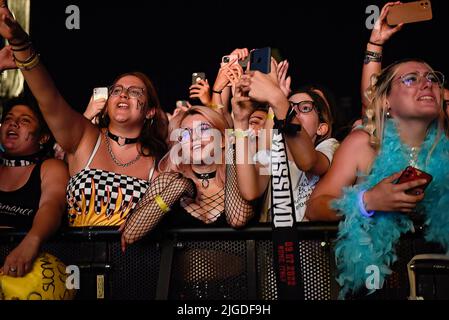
x: 101, y: 198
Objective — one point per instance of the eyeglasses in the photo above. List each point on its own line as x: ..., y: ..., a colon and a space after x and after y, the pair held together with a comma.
x: 133, y: 92
x: 446, y: 103
x: 414, y: 78
x: 203, y: 131
x: 303, y: 106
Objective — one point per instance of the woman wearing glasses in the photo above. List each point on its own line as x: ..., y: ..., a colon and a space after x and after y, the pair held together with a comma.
x: 111, y: 165
x: 404, y: 128
x: 309, y: 151
x: 196, y: 175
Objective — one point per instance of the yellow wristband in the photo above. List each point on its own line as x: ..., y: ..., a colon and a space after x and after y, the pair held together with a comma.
x: 270, y: 116
x: 161, y: 203
x: 215, y: 106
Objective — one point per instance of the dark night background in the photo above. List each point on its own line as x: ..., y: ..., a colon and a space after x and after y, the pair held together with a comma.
x: 168, y: 40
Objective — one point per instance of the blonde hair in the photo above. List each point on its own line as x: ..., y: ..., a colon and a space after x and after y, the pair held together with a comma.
x: 217, y: 121
x: 377, y: 94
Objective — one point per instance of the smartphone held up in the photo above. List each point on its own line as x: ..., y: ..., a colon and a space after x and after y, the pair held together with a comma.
x: 260, y: 60
x: 410, y: 12
x: 100, y: 93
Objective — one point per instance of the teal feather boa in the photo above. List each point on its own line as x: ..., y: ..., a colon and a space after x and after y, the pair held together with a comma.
x: 362, y: 241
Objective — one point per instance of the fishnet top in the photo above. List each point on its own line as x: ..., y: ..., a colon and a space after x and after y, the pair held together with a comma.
x: 173, y: 187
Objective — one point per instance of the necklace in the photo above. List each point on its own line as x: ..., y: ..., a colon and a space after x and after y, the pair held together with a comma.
x: 121, y: 141
x: 205, y: 177
x: 108, y: 143
x: 412, y: 153
x: 21, y: 161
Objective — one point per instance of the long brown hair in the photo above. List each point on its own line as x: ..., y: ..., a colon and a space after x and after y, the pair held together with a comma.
x: 152, y: 138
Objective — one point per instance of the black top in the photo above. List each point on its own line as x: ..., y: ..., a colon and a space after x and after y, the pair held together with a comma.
x: 18, y: 208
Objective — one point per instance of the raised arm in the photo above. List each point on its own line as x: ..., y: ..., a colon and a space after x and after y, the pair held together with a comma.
x: 68, y: 126
x: 381, y: 33
x: 251, y: 183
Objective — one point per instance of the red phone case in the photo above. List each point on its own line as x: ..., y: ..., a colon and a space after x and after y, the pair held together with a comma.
x: 412, y: 174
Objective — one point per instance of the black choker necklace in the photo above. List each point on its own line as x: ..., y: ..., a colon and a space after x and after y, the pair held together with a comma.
x: 21, y: 161
x: 121, y: 141
x: 205, y: 177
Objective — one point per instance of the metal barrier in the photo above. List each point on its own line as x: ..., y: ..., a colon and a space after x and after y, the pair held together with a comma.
x: 205, y: 264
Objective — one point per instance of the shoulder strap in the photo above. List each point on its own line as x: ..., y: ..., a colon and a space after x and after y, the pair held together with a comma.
x: 94, y: 152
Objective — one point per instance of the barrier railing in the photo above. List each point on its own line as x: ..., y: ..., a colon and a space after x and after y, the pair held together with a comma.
x: 206, y: 263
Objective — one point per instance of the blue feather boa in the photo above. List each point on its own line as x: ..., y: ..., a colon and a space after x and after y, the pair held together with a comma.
x: 364, y: 242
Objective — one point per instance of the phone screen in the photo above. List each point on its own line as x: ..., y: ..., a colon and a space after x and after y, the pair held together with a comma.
x: 260, y: 60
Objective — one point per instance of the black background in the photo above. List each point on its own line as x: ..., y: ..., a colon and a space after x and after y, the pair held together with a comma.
x: 323, y: 40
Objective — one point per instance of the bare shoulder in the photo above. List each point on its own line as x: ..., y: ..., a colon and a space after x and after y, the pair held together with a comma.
x: 356, y: 142
x: 356, y: 149
x: 54, y: 167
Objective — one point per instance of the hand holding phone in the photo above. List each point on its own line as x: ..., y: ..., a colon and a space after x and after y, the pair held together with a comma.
x: 410, y: 12
x: 412, y: 174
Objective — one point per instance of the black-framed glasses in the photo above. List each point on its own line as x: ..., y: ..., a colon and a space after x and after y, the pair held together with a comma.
x: 446, y: 103
x: 132, y: 91
x: 413, y: 79
x: 303, y: 106
x: 203, y: 131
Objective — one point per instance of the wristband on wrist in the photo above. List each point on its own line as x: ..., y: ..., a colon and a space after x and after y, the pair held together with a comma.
x: 371, y: 56
x: 217, y: 92
x: 161, y: 203
x: 361, y: 203
x: 376, y: 44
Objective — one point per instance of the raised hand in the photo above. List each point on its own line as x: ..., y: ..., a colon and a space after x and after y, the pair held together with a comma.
x: 382, y: 32
x: 94, y: 108
x: 284, y: 80
x: 262, y: 87
x: 7, y: 59
x: 242, y: 107
x: 10, y: 29
x: 201, y: 90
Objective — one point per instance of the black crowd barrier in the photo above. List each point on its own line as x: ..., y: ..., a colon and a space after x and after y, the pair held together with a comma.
x: 206, y: 264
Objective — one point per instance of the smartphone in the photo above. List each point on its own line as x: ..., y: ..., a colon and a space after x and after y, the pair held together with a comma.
x: 410, y: 12
x: 226, y: 59
x: 197, y: 76
x: 101, y: 93
x: 260, y: 60
x: 412, y: 174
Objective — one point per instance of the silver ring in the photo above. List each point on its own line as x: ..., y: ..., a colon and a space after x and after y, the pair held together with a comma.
x: 12, y: 269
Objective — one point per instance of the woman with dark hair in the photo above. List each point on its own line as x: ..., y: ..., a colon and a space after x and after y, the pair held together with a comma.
x: 112, y: 165
x: 31, y: 186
